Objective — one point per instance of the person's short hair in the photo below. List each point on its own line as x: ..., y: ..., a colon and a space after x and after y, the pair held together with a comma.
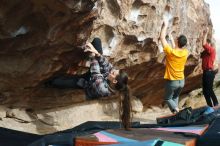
x: 167, y: 37
x: 209, y: 41
x: 182, y: 41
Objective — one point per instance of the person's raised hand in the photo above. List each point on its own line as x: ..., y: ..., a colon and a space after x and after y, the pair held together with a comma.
x: 206, y: 30
x: 91, y: 49
x: 165, y: 22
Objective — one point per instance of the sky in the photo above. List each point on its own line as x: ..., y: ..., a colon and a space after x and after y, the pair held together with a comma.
x: 215, y: 13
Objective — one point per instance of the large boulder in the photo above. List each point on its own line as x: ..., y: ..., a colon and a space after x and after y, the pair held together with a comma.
x: 39, y: 39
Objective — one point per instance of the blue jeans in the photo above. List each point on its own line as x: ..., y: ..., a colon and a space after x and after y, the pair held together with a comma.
x: 173, y: 89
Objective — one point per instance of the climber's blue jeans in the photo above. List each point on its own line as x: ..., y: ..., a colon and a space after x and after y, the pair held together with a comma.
x: 172, y: 91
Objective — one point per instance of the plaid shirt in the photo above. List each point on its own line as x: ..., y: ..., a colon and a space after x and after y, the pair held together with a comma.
x: 98, y: 84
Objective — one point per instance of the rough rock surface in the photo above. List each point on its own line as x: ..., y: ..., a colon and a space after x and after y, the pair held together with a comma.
x: 39, y: 39
x: 130, y: 30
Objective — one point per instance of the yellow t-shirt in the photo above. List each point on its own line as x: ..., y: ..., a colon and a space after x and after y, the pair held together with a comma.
x: 175, y: 63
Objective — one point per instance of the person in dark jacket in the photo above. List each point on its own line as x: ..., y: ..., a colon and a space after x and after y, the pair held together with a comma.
x: 102, y: 80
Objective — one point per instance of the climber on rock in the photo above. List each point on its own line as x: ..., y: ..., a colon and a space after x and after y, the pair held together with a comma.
x: 102, y: 80
x: 175, y: 64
